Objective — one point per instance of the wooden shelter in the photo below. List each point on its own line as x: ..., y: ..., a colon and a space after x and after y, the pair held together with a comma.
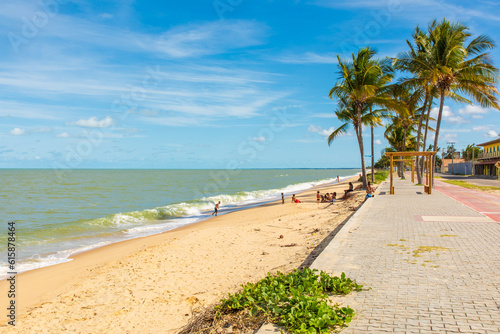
x: 429, y: 172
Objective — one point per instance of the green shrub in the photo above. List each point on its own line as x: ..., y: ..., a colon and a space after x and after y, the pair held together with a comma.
x: 297, y: 301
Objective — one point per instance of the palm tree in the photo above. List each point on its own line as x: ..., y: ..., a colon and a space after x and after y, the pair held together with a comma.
x: 442, y: 64
x: 409, y: 112
x: 358, y: 87
x: 455, y: 67
x: 412, y: 62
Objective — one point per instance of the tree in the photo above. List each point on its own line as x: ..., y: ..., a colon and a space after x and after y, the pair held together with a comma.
x: 358, y: 87
x: 408, y: 113
x: 440, y: 61
x: 467, y: 152
x: 456, y: 68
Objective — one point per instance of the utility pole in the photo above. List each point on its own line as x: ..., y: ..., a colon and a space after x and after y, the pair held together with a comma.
x: 472, y: 159
x: 452, y: 154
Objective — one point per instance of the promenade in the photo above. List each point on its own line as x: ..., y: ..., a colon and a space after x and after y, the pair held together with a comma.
x: 430, y: 264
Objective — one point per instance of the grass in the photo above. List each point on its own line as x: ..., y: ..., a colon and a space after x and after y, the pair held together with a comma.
x: 379, y: 176
x: 470, y: 186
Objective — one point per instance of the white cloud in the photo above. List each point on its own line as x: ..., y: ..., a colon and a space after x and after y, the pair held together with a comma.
x: 17, y: 132
x: 448, y: 115
x: 378, y: 142
x: 324, y: 115
x: 450, y: 137
x: 206, y: 39
x: 309, y: 58
x: 260, y: 139
x: 481, y: 128
x: 63, y: 135
x: 493, y: 134
x: 92, y: 122
x: 319, y: 130
x: 473, y: 110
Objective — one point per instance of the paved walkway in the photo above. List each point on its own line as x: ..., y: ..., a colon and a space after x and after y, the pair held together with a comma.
x: 485, y: 203
x: 432, y: 264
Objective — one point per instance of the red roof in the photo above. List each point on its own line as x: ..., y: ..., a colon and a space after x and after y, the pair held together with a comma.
x: 494, y: 141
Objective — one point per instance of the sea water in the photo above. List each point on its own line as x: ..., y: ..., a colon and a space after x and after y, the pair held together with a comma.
x: 57, y: 215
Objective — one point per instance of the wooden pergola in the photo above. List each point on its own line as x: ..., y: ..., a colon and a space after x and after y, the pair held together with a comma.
x: 429, y: 173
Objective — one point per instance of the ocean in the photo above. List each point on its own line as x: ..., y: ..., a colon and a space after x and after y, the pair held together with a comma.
x: 57, y: 215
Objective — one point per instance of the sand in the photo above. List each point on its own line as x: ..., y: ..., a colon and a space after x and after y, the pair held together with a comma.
x: 151, y: 284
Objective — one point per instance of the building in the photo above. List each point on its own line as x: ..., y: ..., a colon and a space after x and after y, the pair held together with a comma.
x: 487, y: 158
x: 446, y: 164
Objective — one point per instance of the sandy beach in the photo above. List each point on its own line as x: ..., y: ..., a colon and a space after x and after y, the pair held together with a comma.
x: 151, y: 284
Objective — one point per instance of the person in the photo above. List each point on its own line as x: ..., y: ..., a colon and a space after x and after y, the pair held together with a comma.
x: 369, y: 191
x: 282, y: 198
x: 323, y: 199
x: 216, y: 209
x: 294, y: 199
x: 351, y: 188
x: 318, y: 197
x: 334, y: 196
x: 338, y: 179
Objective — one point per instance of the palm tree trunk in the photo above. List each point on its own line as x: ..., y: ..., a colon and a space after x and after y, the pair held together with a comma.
x: 424, y: 147
x: 405, y: 130
x: 438, y: 124
x: 373, y: 159
x: 359, y: 134
x: 419, y: 135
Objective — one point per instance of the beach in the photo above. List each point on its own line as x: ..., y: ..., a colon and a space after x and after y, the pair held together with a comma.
x: 152, y: 284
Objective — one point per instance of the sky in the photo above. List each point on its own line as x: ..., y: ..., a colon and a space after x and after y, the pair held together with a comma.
x: 204, y: 84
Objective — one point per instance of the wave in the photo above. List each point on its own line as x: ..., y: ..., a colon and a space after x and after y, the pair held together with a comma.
x: 134, y: 224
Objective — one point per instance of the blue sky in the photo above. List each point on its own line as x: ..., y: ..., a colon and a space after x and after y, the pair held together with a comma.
x: 202, y: 84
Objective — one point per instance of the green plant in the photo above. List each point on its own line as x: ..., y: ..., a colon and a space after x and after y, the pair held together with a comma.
x: 379, y: 176
x: 297, y: 301
x: 469, y: 185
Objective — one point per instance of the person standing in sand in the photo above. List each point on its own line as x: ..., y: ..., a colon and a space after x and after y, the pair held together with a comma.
x: 338, y: 179
x: 318, y: 197
x: 216, y: 209
x: 282, y: 198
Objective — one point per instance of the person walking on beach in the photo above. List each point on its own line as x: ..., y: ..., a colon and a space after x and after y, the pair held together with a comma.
x: 338, y: 179
x: 282, y: 198
x: 216, y: 209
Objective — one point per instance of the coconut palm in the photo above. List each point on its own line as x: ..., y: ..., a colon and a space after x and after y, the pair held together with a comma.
x: 359, y: 86
x: 456, y: 68
x: 411, y: 61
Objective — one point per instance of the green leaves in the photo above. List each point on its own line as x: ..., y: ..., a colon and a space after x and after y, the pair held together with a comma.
x: 297, y: 301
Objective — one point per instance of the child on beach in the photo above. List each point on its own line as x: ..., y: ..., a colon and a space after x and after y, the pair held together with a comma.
x: 216, y: 209
x: 318, y: 197
x: 282, y: 198
x: 294, y: 199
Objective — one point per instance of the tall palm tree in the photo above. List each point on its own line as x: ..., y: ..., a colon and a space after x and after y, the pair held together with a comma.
x: 409, y: 111
x: 347, y: 113
x: 358, y: 87
x: 411, y: 61
x: 457, y: 68
x: 440, y: 62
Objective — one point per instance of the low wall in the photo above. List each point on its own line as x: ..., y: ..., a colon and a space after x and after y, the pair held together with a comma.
x: 462, y: 168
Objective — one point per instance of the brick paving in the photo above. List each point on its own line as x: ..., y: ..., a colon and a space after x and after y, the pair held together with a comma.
x: 431, y: 263
x: 424, y: 276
